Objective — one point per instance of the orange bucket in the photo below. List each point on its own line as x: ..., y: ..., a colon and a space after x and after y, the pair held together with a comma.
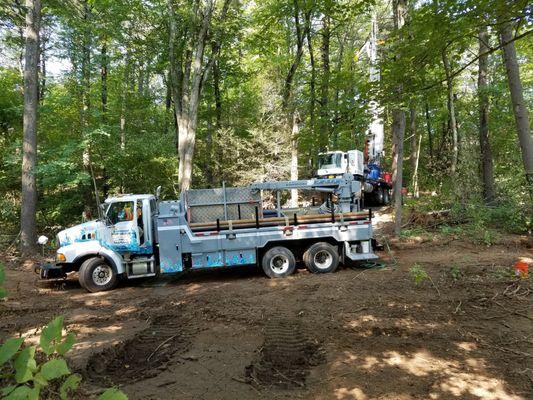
x: 521, y: 268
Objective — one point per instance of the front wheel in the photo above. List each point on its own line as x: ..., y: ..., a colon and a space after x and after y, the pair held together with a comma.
x: 278, y: 262
x: 321, y: 257
x: 96, y: 275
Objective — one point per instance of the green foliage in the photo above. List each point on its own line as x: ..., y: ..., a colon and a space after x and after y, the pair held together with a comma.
x: 418, y: 274
x: 28, y: 375
x: 412, y: 232
x: 243, y: 134
x: 456, y: 272
x: 503, y: 273
x: 112, y: 394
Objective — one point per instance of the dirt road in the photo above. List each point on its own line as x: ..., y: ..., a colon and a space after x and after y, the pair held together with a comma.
x: 354, y: 334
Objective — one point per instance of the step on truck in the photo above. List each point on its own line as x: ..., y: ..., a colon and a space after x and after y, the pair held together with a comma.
x: 139, y: 236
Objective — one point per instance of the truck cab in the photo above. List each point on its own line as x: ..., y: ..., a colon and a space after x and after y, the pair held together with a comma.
x: 334, y: 164
x: 120, y: 243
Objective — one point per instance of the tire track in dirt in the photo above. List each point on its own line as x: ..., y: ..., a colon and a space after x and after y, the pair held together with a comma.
x: 286, y: 356
x: 143, y: 356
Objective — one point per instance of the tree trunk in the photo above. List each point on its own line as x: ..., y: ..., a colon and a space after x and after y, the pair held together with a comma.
x: 174, y: 70
x: 517, y: 98
x: 398, y: 128
x: 312, y: 81
x: 28, y: 210
x: 483, y: 97
x: 412, y: 133
x: 300, y: 36
x: 168, y: 100
x: 86, y: 81
x: 294, y: 156
x: 42, y: 58
x: 416, y: 192
x: 103, y: 76
x: 430, y: 134
x: 451, y: 112
x: 124, y: 101
x: 293, y: 118
x: 398, y: 131
x: 336, y: 120
x: 189, y: 122
x: 216, y: 153
x: 324, y: 90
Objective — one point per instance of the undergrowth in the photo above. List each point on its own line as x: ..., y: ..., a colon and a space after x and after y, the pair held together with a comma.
x: 33, y: 372
x: 474, y: 222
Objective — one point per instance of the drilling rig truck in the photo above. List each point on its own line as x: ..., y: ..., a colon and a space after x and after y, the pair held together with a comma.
x: 139, y: 236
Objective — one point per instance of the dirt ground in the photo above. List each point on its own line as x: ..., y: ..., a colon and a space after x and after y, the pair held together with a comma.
x: 356, y: 334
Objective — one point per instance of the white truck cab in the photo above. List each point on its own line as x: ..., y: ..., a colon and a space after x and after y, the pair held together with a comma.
x: 122, y: 241
x: 335, y: 163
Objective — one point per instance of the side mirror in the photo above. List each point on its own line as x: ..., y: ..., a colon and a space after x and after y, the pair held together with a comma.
x: 158, y: 192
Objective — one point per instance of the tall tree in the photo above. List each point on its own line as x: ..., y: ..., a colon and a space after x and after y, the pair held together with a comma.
x: 430, y: 133
x: 29, y: 147
x: 189, y: 72
x: 451, y: 111
x: 483, y: 101
x: 398, y: 126
x: 517, y: 98
x: 288, y: 106
x: 324, y: 89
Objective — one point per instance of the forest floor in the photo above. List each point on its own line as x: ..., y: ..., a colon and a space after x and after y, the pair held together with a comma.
x: 356, y: 334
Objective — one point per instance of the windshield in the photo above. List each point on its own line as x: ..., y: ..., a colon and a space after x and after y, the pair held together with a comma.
x: 120, y: 211
x: 330, y: 160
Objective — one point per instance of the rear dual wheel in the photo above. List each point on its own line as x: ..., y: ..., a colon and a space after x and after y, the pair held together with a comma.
x: 321, y: 258
x: 278, y: 262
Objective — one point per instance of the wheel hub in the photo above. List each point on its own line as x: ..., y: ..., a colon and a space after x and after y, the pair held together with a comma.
x: 279, y: 264
x: 102, y: 275
x: 323, y: 259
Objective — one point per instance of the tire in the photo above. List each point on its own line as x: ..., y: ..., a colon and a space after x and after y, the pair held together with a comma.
x: 321, y: 258
x: 380, y: 196
x: 386, y: 197
x: 96, y: 275
x: 278, y: 262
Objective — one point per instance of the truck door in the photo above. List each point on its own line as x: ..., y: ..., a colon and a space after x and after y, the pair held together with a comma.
x: 123, y: 230
x: 144, y: 225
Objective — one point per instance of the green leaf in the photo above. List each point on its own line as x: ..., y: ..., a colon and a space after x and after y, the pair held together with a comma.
x: 8, y: 389
x: 40, y: 379
x: 66, y: 345
x: 34, y: 393
x: 25, y: 365
x: 3, y: 293
x: 9, y: 349
x: 20, y: 393
x: 54, y: 369
x: 113, y: 394
x: 51, y: 333
x: 71, y: 383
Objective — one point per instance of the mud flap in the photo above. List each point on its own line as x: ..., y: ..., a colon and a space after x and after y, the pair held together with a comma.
x: 50, y: 271
x: 377, y: 246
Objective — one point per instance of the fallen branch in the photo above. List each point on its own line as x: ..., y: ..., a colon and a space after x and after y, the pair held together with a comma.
x: 512, y: 311
x: 158, y: 347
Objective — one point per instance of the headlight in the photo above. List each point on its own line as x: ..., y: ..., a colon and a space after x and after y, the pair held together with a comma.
x: 60, y: 257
